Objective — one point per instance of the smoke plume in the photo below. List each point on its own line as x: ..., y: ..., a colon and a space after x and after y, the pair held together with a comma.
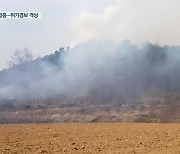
x: 96, y: 70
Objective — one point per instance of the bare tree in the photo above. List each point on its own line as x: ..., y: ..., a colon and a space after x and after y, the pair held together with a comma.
x: 20, y: 57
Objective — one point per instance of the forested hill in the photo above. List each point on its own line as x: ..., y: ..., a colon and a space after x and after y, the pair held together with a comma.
x: 96, y: 69
x: 96, y: 82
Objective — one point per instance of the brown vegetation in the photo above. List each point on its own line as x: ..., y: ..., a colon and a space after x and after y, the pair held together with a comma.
x: 156, y: 108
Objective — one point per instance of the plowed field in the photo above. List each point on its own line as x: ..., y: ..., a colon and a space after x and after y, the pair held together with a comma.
x: 90, y: 138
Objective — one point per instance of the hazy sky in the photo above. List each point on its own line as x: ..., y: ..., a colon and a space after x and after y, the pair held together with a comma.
x: 69, y: 22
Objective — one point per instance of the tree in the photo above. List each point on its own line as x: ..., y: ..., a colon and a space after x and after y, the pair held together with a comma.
x: 21, y: 57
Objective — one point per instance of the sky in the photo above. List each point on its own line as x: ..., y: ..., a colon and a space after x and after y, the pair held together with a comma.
x: 66, y: 23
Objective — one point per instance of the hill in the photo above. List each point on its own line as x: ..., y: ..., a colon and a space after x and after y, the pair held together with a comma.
x: 94, y: 82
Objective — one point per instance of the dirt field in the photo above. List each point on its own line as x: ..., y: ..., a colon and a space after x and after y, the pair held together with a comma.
x: 90, y: 138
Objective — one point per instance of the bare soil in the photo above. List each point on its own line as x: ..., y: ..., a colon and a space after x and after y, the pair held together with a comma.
x: 90, y: 138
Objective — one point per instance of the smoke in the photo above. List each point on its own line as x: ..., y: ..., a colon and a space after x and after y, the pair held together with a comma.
x: 98, y: 70
x: 155, y: 21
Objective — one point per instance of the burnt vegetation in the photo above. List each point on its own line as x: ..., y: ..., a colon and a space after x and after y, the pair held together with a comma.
x: 91, y: 84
